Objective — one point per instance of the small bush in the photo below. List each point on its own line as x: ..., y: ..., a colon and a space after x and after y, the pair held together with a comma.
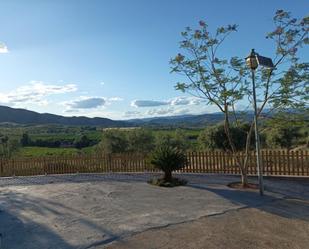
x: 168, y: 159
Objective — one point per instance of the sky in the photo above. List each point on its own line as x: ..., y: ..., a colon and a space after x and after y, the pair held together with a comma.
x: 110, y: 58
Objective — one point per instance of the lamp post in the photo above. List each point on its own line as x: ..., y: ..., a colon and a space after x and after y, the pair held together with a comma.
x: 253, y: 60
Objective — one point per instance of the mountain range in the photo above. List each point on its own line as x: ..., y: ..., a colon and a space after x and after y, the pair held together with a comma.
x: 26, y: 117
x: 22, y: 116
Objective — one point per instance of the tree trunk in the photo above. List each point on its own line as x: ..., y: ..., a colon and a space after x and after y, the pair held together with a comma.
x: 244, y: 179
x: 241, y: 164
x: 167, y: 176
x: 247, y: 148
x: 227, y: 129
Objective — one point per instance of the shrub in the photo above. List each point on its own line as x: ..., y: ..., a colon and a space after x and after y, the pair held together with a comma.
x: 176, y: 140
x: 81, y: 142
x: 168, y: 159
x: 215, y: 138
x: 113, y: 141
x: 25, y: 140
x: 282, y: 137
x: 140, y: 140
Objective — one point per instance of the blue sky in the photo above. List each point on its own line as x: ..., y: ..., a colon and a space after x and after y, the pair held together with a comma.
x: 110, y: 58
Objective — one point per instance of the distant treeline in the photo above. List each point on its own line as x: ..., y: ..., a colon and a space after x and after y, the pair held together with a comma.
x: 211, y: 138
x: 145, y: 140
x: 79, y: 141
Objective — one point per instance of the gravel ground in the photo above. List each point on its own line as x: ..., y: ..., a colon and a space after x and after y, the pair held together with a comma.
x: 122, y: 211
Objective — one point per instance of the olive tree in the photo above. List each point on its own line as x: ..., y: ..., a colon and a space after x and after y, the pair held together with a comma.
x: 225, y: 82
x: 214, y: 137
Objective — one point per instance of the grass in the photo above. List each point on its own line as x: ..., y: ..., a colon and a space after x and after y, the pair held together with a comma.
x: 44, y: 151
x: 33, y: 151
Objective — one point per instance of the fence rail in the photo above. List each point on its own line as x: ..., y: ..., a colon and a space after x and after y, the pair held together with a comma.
x: 275, y: 162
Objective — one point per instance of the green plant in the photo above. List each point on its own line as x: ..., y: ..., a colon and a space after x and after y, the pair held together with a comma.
x: 81, y: 142
x: 282, y: 137
x: 168, y: 159
x: 113, y: 141
x: 214, y: 137
x: 175, y: 139
x: 224, y: 82
x: 140, y: 140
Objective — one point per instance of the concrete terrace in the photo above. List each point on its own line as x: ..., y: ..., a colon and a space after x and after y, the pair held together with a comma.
x: 102, y: 210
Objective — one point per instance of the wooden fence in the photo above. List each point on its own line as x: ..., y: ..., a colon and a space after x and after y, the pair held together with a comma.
x: 275, y: 162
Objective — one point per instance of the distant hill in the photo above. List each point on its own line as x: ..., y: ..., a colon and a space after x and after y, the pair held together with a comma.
x: 26, y: 117
x: 22, y: 116
x: 184, y: 120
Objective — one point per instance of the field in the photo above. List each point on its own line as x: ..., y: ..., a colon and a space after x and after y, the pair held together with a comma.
x: 57, y: 140
x: 45, y: 151
x: 48, y: 140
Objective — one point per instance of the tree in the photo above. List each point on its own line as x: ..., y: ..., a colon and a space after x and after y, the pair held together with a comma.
x: 113, y: 141
x: 225, y: 82
x: 140, y: 140
x: 175, y: 140
x: 82, y: 142
x: 8, y: 146
x: 288, y: 129
x: 282, y: 137
x: 215, y: 137
x: 168, y: 159
x: 4, y: 143
x: 25, y: 139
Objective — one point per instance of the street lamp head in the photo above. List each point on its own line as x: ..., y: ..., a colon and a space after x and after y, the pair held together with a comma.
x: 251, y: 60
x: 265, y: 62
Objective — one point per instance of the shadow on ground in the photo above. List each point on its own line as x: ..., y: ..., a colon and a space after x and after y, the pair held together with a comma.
x: 284, y: 206
x: 18, y: 231
x: 26, y: 234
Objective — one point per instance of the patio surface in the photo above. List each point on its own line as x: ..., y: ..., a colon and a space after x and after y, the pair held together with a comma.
x: 123, y: 211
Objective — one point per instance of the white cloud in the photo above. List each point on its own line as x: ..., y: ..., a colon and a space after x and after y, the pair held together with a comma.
x: 182, y: 111
x: 130, y: 114
x: 86, y: 103
x: 170, y: 107
x: 115, y: 99
x: 47, y: 89
x: 185, y: 101
x: 3, y: 48
x: 167, y: 111
x: 148, y: 103
x: 172, y: 102
x: 35, y: 93
x: 170, y: 111
x: 160, y: 111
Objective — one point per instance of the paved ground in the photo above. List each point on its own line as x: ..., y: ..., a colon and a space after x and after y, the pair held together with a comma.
x: 244, y: 228
x: 122, y: 211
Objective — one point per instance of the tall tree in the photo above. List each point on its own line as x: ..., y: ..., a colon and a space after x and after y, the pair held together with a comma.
x: 225, y: 82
